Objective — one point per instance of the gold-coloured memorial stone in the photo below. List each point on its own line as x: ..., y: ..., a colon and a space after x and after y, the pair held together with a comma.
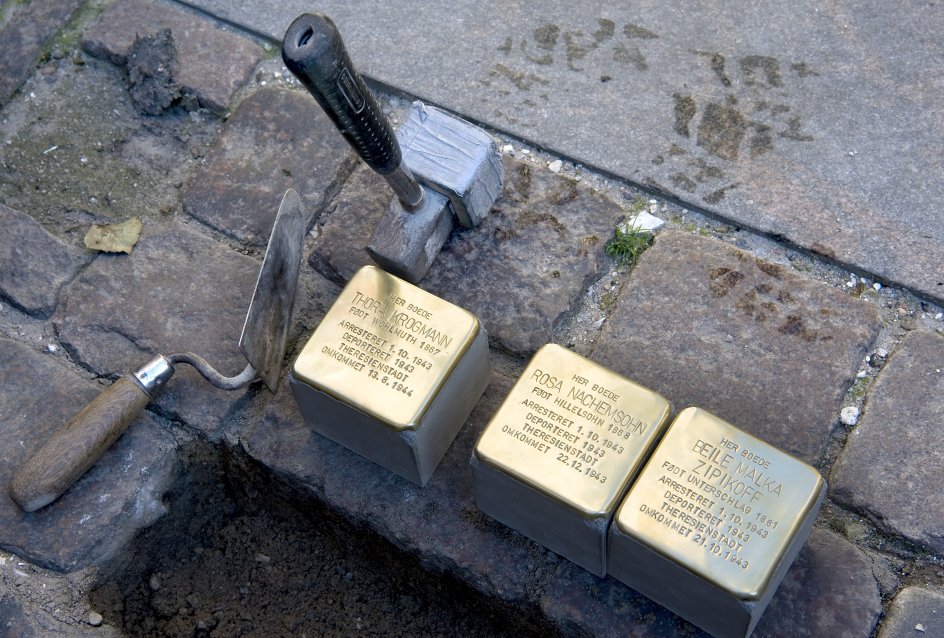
x: 557, y: 457
x: 392, y: 372
x: 713, y: 522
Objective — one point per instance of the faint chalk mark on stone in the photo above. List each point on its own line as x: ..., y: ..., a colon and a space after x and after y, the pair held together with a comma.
x: 684, y: 112
x: 545, y: 37
x: 721, y: 131
x: 752, y: 66
x: 716, y: 61
x: 521, y: 81
x: 684, y: 182
x: 715, y: 196
x: 760, y: 141
x: 722, y: 280
x: 793, y: 131
x: 575, y: 50
x: 633, y: 57
x: 803, y: 70
x: 635, y: 31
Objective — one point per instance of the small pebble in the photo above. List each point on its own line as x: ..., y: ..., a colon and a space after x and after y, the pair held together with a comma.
x: 508, y: 149
x: 555, y: 166
x: 154, y: 583
x: 525, y: 151
x: 920, y: 627
x: 937, y: 316
x: 876, y: 286
x: 909, y: 323
x: 94, y: 618
x: 53, y: 348
x: 849, y: 415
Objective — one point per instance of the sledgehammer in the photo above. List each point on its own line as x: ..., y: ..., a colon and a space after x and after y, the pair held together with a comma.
x: 441, y: 168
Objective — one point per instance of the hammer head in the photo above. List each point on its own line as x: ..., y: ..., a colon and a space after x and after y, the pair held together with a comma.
x: 455, y: 158
x: 462, y: 175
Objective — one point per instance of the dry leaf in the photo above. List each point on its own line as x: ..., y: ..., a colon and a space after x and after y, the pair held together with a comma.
x: 114, y: 238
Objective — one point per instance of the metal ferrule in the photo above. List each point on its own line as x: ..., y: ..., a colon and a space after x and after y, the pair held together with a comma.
x: 406, y: 188
x: 154, y: 374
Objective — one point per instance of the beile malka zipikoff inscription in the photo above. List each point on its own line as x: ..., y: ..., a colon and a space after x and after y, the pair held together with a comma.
x: 712, y: 523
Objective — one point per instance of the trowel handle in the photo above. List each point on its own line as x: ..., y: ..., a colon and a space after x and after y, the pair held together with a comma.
x: 75, y: 447
x: 312, y: 49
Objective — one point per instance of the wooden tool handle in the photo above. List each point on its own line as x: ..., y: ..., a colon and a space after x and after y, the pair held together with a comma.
x: 75, y: 447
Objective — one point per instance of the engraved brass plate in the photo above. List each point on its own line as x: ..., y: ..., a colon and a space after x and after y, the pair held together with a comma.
x: 574, y: 430
x: 720, y: 502
x: 386, y: 347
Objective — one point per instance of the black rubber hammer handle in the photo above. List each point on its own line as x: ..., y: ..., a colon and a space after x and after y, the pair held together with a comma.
x: 312, y: 49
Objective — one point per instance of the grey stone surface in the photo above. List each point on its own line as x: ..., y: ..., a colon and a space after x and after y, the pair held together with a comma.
x: 705, y: 324
x: 519, y: 271
x: 276, y: 139
x: 212, y: 63
x: 23, y: 36
x: 100, y: 513
x: 806, y: 120
x: 178, y: 291
x: 914, y: 612
x: 33, y: 264
x: 892, y: 467
x: 829, y: 591
x: 115, y: 165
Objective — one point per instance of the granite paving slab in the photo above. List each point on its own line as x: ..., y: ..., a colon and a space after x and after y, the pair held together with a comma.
x: 34, y: 265
x: 276, y: 139
x: 892, y: 467
x: 708, y: 325
x: 212, y: 62
x: 915, y: 611
x: 519, y: 271
x: 103, y: 510
x: 810, y: 121
x: 178, y: 291
x: 23, y: 37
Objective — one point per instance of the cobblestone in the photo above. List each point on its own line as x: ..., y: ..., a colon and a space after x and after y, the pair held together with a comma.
x: 916, y: 611
x: 34, y: 265
x: 892, y: 467
x: 707, y: 325
x: 276, y: 139
x: 23, y: 37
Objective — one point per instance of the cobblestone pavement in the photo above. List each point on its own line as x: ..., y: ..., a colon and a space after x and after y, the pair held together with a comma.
x: 834, y: 368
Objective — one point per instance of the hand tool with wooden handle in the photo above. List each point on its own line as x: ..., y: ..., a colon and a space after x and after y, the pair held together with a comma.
x: 75, y: 447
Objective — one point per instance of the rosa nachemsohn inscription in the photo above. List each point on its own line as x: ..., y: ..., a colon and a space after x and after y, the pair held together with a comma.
x: 392, y: 372
x: 558, y: 455
x: 712, y: 523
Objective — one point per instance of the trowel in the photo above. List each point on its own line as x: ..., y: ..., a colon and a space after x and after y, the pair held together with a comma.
x: 74, y: 448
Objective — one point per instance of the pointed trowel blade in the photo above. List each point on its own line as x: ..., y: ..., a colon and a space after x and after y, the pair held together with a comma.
x: 270, y: 311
